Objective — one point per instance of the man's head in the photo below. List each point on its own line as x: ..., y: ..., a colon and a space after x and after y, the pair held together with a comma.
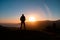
x: 22, y: 14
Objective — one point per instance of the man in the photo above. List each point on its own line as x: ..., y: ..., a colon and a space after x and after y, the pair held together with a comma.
x: 22, y: 19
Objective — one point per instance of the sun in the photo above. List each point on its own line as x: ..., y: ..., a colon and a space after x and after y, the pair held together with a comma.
x: 32, y: 19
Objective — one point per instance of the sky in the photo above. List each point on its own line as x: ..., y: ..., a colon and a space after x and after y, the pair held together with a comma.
x: 11, y: 10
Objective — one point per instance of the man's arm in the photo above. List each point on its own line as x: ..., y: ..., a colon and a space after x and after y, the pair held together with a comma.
x: 20, y: 18
x: 25, y: 18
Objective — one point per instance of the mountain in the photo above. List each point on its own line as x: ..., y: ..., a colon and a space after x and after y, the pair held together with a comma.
x: 39, y: 29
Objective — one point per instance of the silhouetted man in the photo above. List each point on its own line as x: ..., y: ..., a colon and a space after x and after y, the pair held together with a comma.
x: 22, y: 19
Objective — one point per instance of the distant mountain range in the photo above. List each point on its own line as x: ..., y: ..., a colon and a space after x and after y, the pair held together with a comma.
x: 38, y: 25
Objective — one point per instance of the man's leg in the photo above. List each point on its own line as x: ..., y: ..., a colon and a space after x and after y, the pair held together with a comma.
x: 24, y: 26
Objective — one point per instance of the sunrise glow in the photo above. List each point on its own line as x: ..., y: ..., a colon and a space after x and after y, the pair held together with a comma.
x: 32, y: 19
